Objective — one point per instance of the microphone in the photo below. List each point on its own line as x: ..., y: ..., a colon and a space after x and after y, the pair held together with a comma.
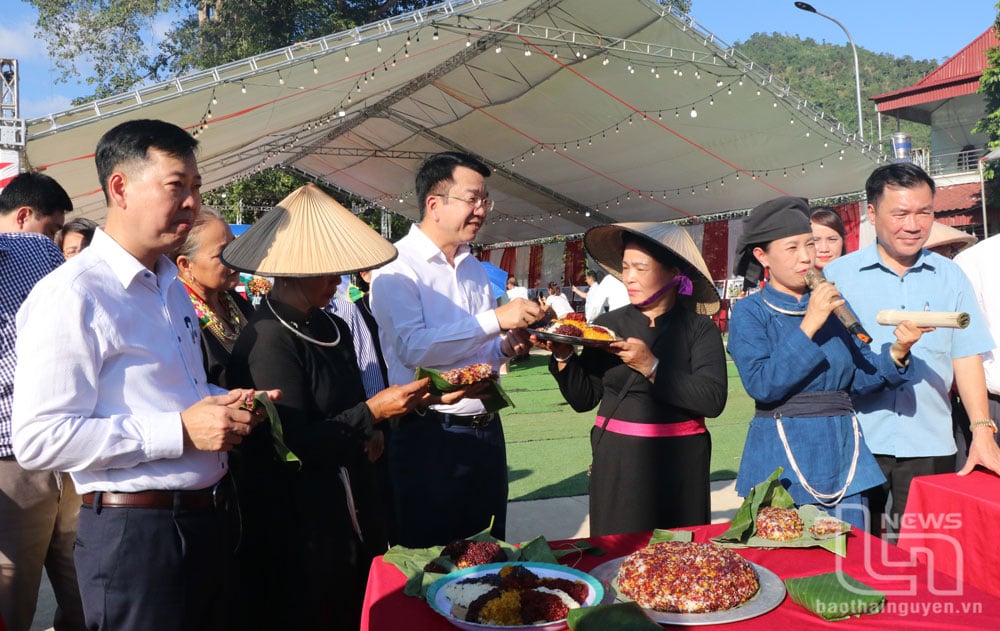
x: 815, y: 278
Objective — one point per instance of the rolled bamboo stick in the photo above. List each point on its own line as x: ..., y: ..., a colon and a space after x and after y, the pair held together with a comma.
x: 943, y: 319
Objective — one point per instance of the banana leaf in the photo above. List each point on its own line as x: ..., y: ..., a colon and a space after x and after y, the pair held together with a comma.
x: 742, y: 530
x: 660, y: 536
x: 495, y: 399
x: 277, y: 431
x: 834, y: 595
x: 618, y: 616
x: 412, y: 561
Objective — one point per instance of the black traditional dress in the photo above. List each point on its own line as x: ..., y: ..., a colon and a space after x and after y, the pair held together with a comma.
x: 652, y: 457
x: 298, y: 520
x: 219, y: 332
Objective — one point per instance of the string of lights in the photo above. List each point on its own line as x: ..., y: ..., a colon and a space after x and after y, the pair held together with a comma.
x: 631, y: 56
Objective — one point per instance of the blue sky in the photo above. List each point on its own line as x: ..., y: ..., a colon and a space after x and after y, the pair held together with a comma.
x: 897, y: 27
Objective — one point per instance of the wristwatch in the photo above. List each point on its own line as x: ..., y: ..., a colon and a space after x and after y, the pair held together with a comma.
x: 986, y: 422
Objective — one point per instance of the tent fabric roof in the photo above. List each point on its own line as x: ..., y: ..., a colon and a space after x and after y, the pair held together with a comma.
x: 956, y: 77
x: 588, y: 111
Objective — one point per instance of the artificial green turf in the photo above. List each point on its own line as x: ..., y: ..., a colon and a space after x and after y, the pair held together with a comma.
x: 548, y: 445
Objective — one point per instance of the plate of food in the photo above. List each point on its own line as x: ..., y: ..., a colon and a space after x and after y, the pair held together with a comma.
x: 515, y: 596
x: 447, y: 380
x: 690, y: 584
x: 768, y: 518
x: 575, y: 331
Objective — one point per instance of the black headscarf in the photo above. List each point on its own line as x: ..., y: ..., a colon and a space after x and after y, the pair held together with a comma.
x: 774, y: 219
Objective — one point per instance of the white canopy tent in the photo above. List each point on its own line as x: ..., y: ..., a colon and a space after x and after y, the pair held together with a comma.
x: 589, y: 111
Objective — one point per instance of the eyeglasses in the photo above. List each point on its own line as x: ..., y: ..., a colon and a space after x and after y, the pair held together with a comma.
x: 476, y: 202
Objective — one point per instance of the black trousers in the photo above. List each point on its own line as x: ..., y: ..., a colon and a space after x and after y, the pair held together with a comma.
x: 889, y: 499
x: 448, y: 482
x: 154, y: 569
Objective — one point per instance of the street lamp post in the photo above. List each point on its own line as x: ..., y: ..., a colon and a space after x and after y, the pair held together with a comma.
x: 805, y: 6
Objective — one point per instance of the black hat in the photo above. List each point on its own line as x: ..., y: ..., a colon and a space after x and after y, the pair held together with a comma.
x: 774, y: 219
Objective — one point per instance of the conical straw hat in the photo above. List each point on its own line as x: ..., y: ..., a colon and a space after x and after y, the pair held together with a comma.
x: 604, y: 243
x: 308, y: 234
x: 943, y: 234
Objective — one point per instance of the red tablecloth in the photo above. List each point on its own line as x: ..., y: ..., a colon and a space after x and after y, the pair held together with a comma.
x: 910, y: 601
x: 951, y: 524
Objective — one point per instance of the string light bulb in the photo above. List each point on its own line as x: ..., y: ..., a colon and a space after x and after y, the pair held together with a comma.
x: 435, y: 35
x: 243, y: 87
x: 694, y: 112
x: 315, y: 69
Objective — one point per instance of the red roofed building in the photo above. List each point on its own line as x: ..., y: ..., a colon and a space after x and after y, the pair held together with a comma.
x: 948, y: 100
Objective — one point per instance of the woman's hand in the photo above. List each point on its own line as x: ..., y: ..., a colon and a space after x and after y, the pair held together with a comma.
x: 823, y: 299
x: 635, y: 354
x: 515, y: 343
x: 559, y: 349
x: 398, y: 400
x: 375, y: 445
x: 907, y: 334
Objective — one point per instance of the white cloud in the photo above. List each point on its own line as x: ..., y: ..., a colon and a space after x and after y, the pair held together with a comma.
x: 34, y: 108
x: 18, y: 41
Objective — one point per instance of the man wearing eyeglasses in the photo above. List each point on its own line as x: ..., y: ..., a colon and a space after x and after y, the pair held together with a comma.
x: 435, y: 309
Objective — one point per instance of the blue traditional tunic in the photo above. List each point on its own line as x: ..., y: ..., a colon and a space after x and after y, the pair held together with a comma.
x: 777, y: 360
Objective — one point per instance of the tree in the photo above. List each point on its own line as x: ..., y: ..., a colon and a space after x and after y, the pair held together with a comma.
x: 824, y: 73
x: 118, y: 36
x: 989, y: 86
x: 244, y: 200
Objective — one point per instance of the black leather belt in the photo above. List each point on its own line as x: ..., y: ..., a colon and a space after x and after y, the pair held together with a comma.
x: 476, y: 421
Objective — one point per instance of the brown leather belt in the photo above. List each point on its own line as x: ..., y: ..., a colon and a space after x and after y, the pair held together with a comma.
x: 203, y: 499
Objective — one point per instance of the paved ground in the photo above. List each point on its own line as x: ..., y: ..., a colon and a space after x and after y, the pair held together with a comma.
x: 559, y: 518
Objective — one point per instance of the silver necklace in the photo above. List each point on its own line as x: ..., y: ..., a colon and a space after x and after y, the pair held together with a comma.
x: 780, y: 310
x: 295, y: 330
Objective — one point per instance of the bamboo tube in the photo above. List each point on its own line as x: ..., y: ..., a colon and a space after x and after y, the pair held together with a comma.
x: 943, y: 319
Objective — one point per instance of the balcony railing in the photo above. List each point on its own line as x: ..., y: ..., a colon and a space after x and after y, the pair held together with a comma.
x: 948, y: 163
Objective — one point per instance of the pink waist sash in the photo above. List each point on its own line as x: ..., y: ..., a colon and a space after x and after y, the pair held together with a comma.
x: 654, y: 430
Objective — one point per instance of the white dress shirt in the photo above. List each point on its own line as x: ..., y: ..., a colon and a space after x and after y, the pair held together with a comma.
x: 559, y: 305
x: 615, y: 292
x: 108, y: 357
x: 977, y: 263
x: 517, y: 292
x: 433, y: 315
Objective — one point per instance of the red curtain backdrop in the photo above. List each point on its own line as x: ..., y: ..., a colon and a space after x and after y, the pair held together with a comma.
x: 483, y: 255
x: 576, y: 266
x: 851, y: 214
x: 508, y: 261
x: 535, y: 266
x: 715, y: 249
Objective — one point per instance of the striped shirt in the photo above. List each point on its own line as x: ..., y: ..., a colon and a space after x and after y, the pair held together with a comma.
x: 364, y: 347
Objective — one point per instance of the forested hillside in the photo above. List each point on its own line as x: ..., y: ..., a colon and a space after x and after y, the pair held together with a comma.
x: 824, y: 74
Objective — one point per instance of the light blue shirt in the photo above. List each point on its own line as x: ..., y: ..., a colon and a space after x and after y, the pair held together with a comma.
x: 109, y: 355
x: 913, y: 419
